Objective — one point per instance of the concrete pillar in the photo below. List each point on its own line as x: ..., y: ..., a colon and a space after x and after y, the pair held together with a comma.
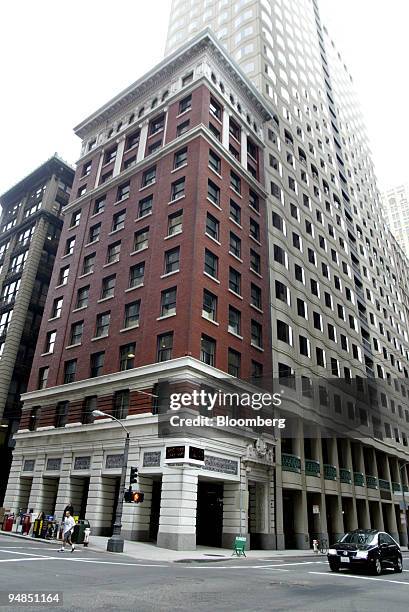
x: 177, y: 522
x: 100, y: 164
x: 136, y: 517
x: 142, y: 141
x: 11, y: 499
x: 231, y: 513
x: 64, y: 494
x: 301, y: 535
x: 337, y: 517
x: 243, y: 148
x: 390, y: 520
x: 119, y: 156
x: 36, y: 494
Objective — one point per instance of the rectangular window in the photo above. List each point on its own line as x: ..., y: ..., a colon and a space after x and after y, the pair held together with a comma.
x: 127, y: 357
x: 234, y: 325
x: 94, y: 232
x: 234, y: 129
x: 211, y: 263
x: 76, y: 332
x: 168, y: 302
x: 215, y: 163
x: 102, y: 325
x: 57, y: 307
x: 63, y: 276
x: 110, y: 155
x: 132, y: 311
x: 99, y: 205
x: 108, y: 287
x: 182, y: 128
x: 209, y: 310
x: 118, y: 221
x: 254, y: 200
x: 75, y: 218
x: 235, y: 212
x: 156, y: 125
x: 120, y: 404
x: 97, y: 364
x: 136, y: 275
x: 233, y: 363
x: 89, y: 404
x: 255, y: 262
x: 86, y: 169
x: 131, y: 161
x: 164, y: 347
x: 82, y: 297
x: 70, y: 368
x: 177, y: 189
x: 185, y: 104
x: 235, y: 181
x: 256, y: 334
x: 215, y: 109
x: 235, y: 245
x: 180, y: 158
x: 43, y: 377
x: 175, y: 223
x: 208, y: 350
x: 213, y: 192
x: 254, y: 230
x: 216, y: 133
x: 123, y: 191
x: 149, y: 177
x: 141, y: 239
x: 61, y: 414
x: 132, y: 140
x: 145, y: 206
x: 113, y: 252
x: 212, y: 226
x: 172, y: 260
x: 256, y: 296
x: 235, y: 281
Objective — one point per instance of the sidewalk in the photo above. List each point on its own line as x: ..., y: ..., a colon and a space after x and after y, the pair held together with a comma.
x: 144, y: 551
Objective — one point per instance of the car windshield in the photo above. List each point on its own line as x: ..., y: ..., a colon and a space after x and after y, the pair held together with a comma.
x: 360, y: 538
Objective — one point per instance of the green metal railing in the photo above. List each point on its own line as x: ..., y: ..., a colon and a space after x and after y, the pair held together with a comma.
x: 371, y: 482
x: 345, y: 476
x: 396, y: 487
x: 384, y: 484
x: 291, y: 463
x: 330, y: 472
x: 359, y: 479
x: 312, y: 467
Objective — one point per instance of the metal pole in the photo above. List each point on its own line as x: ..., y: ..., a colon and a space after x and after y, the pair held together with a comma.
x: 404, y: 501
x: 116, y: 541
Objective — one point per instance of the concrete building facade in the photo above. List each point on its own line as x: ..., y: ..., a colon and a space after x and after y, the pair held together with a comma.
x: 30, y: 227
x: 396, y: 207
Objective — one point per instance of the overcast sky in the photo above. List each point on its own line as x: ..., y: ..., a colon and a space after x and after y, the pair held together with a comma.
x: 62, y: 60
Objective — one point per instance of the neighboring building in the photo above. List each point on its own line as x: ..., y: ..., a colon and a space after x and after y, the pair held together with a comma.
x: 337, y: 281
x: 161, y: 274
x: 30, y: 227
x: 396, y: 206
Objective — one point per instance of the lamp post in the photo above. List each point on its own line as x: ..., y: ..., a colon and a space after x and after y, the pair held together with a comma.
x: 403, y: 499
x: 116, y: 541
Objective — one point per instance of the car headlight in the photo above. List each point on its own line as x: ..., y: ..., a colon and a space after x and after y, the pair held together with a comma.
x: 361, y: 554
x: 332, y: 551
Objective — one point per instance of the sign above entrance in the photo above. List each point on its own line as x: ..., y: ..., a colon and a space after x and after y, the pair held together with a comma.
x: 184, y: 454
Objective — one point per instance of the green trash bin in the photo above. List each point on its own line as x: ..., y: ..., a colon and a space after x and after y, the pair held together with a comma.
x: 78, y: 533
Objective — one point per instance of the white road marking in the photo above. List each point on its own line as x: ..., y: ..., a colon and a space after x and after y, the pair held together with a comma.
x: 14, y: 552
x: 359, y: 577
x: 27, y: 559
x: 113, y: 562
x: 247, y: 567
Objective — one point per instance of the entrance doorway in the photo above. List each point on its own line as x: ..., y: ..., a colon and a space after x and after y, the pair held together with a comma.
x: 209, y: 521
x: 49, y: 495
x: 155, y: 510
x: 109, y: 495
x: 24, y: 494
x: 290, y: 499
x: 79, y: 495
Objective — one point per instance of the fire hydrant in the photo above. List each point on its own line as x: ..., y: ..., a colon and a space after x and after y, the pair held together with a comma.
x: 315, y: 546
x: 86, y: 536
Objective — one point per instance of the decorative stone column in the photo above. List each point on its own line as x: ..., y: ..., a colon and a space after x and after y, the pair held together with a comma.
x: 142, y: 141
x: 177, y: 522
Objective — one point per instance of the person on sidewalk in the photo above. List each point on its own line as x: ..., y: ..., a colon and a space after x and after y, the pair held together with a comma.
x: 68, y: 528
x: 68, y: 508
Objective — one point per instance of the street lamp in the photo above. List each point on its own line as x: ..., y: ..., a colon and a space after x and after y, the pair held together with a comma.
x: 116, y: 541
x: 403, y: 498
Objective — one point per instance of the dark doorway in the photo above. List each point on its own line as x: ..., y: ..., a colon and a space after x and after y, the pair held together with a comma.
x: 289, y: 503
x: 209, y: 521
x: 155, y: 510
x: 84, y: 499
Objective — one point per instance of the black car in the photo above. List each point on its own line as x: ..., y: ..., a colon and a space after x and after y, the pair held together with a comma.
x: 365, y: 549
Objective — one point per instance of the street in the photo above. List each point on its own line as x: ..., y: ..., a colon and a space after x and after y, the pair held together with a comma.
x: 92, y: 580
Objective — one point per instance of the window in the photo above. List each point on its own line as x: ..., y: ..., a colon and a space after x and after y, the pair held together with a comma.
x: 5, y: 319
x: 113, y: 252
x: 136, y: 275
x: 110, y: 155
x: 132, y: 311
x: 304, y: 346
x: 254, y: 230
x: 320, y: 356
x: 215, y: 109
x: 82, y: 297
x: 235, y: 212
x: 164, y: 347
x: 235, y: 281
x: 177, y: 189
x: 108, y: 287
x: 149, y: 177
x: 57, y: 307
x: 61, y: 414
x: 286, y: 375
x: 188, y: 78
x: 99, y: 205
x: 94, y: 232
x: 235, y: 245
x: 209, y: 309
x: 281, y: 291
x: 235, y: 181
x: 89, y: 404
x: 63, y: 276
x: 156, y: 125
x: 141, y: 239
x: 76, y: 332
x: 256, y: 369
x: 256, y: 334
x: 255, y: 262
x: 43, y: 377
x: 120, y: 404
x: 278, y: 222
x: 127, y: 357
x: 212, y: 226
x: 213, y: 192
x: 132, y: 140
x: 215, y: 163
x: 182, y: 128
x: 34, y: 416
x: 255, y: 298
x: 102, y: 326
x: 180, y: 158
x: 234, y: 129
x: 96, y: 364
x: 75, y: 218
x: 185, y: 104
x: 86, y: 169
x: 168, y: 302
x: 175, y: 223
x: 254, y: 200
x: 88, y: 264
x: 172, y: 260
x: 70, y: 368
x: 280, y: 255
x: 216, y: 133
x: 233, y: 363
x: 234, y: 325
x: 211, y: 264
x: 118, y: 221
x: 81, y: 191
x: 207, y: 350
x: 145, y: 206
x: 284, y: 332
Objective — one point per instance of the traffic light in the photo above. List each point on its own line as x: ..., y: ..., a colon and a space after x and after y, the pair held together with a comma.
x: 128, y: 495
x: 133, y: 478
x: 137, y: 497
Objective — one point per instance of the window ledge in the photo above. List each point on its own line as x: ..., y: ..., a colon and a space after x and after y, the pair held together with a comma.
x: 236, y: 223
x: 115, y: 231
x: 256, y: 241
x: 125, y: 329
x: 96, y: 215
x: 236, y: 294
x: 99, y: 337
x: 54, y: 318
x: 62, y: 285
x: 234, y: 334
x: 70, y: 346
x: 214, y: 239
x: 215, y: 280
x: 147, y: 186
x: 176, y: 199
x: 256, y: 273
x: 143, y: 216
x: 66, y: 255
x: 83, y: 275
x: 236, y: 257
x: 214, y: 203
x: 132, y: 288
x: 256, y: 308
x: 259, y: 348
x: 255, y: 210
x: 80, y: 308
x: 46, y: 354
x: 109, y: 297
x: 173, y: 314
x: 111, y: 263
x: 236, y: 192
x: 122, y: 200
x: 210, y: 320
x: 184, y: 112
x: 178, y: 168
x: 215, y: 172
x: 169, y: 274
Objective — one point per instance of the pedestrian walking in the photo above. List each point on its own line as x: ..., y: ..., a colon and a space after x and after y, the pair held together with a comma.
x: 68, y: 528
x: 68, y: 508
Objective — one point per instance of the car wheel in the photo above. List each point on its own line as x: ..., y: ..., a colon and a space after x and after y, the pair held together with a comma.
x: 334, y: 567
x: 377, y: 567
x: 398, y: 567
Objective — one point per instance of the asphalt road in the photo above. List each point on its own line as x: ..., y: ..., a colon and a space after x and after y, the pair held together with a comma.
x: 107, y: 581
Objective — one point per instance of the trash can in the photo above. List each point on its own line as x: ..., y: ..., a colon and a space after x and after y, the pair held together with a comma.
x: 78, y: 534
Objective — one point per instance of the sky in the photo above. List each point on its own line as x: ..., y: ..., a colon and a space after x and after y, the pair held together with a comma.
x: 63, y: 60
